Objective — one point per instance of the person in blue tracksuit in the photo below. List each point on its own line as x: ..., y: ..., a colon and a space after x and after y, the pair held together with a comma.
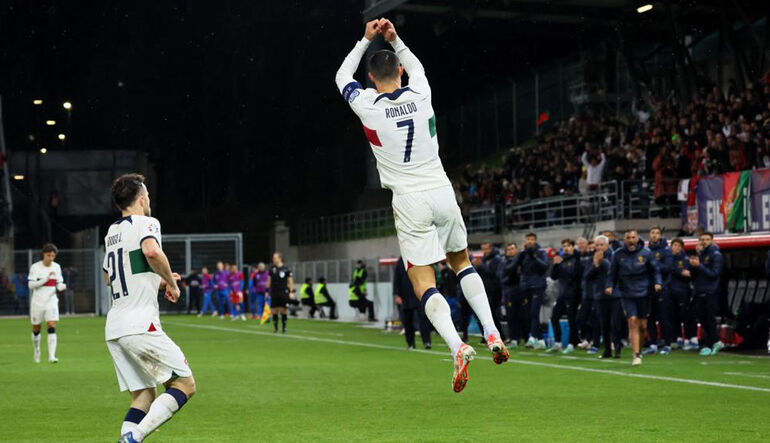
x: 661, y: 305
x: 567, y: 274
x: 633, y: 271
x: 606, y: 306
x: 588, y: 332
x: 532, y: 264
x: 706, y: 273
x: 679, y: 290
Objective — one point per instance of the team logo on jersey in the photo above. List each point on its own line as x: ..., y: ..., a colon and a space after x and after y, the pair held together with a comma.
x: 640, y: 259
x: 679, y: 264
x: 282, y: 274
x: 152, y: 227
x: 657, y: 255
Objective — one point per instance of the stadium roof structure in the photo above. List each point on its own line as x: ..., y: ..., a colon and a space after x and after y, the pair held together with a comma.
x: 596, y: 13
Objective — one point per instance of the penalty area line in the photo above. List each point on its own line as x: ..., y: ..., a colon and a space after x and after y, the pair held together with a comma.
x: 521, y: 362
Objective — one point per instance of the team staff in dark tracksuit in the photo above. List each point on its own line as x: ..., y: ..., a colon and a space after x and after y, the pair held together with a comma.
x: 633, y: 271
x: 661, y: 308
x: 706, y: 272
x: 588, y: 332
x: 409, y: 308
x: 606, y: 306
x: 488, y: 268
x: 532, y: 263
x: 516, y: 306
x: 567, y: 274
x: 678, y: 289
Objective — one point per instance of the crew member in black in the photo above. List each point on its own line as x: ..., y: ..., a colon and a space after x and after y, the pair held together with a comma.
x: 280, y: 283
x: 409, y: 307
x: 193, y: 283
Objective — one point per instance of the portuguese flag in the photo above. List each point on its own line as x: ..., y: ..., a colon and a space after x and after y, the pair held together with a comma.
x: 544, y: 117
x: 735, y: 185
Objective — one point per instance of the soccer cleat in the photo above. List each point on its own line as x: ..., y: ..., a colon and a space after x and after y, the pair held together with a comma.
x: 717, y: 347
x: 498, y: 349
x: 569, y: 349
x: 37, y: 356
x: 540, y: 344
x: 128, y: 437
x: 53, y: 360
x: 650, y: 351
x: 637, y: 360
x: 531, y: 342
x: 705, y: 352
x: 199, y: 315
x: 593, y: 350
x: 460, y: 377
x: 689, y: 346
x: 583, y: 345
x: 555, y: 348
x: 666, y: 350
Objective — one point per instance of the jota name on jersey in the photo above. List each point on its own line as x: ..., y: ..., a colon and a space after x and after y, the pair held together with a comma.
x: 400, y: 111
x: 114, y: 239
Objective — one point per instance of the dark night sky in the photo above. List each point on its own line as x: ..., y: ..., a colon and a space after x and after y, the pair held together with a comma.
x: 233, y: 100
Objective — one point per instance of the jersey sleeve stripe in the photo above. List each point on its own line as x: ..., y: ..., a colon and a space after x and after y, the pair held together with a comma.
x: 371, y: 135
x: 347, y: 91
x: 149, y: 236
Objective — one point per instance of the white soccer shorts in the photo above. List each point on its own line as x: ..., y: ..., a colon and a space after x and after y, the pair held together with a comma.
x: 145, y: 360
x: 428, y: 224
x: 42, y: 314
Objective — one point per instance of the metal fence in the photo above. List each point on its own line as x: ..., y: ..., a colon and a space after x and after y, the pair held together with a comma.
x: 340, y: 271
x: 342, y: 227
x: 82, y: 269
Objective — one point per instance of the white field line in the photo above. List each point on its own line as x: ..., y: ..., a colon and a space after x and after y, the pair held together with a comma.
x: 746, y: 374
x: 522, y: 362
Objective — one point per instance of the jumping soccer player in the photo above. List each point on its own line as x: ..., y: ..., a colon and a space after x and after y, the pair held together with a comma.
x: 45, y: 279
x: 400, y: 125
x: 135, y: 268
x: 280, y: 283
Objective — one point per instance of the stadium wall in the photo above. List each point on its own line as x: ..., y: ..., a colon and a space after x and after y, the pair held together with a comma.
x: 380, y: 293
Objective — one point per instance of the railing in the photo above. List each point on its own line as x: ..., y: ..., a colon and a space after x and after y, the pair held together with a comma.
x: 343, y: 227
x: 484, y: 219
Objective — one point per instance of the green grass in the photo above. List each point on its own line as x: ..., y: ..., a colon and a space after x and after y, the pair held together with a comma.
x: 357, y: 384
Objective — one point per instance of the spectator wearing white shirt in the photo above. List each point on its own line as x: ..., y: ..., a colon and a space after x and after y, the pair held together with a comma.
x: 594, y: 170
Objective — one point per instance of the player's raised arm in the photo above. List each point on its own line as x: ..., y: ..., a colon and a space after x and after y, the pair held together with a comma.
x: 409, y: 61
x: 344, y: 78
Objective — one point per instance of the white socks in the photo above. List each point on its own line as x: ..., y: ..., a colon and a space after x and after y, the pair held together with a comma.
x: 473, y: 289
x: 438, y: 312
x: 36, y: 341
x: 162, y: 409
x: 51, y: 346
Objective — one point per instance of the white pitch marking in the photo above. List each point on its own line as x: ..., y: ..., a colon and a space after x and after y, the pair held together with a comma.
x: 746, y: 374
x: 521, y: 362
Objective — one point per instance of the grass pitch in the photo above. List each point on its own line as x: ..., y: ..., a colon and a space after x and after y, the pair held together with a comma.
x: 328, y: 381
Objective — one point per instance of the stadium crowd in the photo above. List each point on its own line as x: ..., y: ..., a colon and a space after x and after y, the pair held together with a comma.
x: 661, y: 141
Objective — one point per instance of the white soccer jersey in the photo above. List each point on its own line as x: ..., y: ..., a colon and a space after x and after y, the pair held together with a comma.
x: 400, y: 126
x: 134, y: 285
x: 43, y: 281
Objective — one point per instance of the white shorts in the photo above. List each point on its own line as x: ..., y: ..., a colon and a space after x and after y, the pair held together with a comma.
x: 145, y: 360
x: 41, y: 314
x: 429, y: 224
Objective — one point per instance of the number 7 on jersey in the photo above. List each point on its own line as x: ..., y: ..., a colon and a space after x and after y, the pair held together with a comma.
x: 409, y: 138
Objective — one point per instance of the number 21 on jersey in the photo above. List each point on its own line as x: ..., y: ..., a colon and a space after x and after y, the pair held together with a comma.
x: 116, y: 273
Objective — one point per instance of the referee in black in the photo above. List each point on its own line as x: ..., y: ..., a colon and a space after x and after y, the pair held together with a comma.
x: 280, y: 283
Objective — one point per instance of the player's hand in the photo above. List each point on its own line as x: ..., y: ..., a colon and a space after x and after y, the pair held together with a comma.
x: 686, y: 273
x: 372, y: 29
x: 658, y: 288
x: 557, y: 259
x: 387, y: 29
x: 398, y: 300
x: 172, y: 293
x: 608, y: 291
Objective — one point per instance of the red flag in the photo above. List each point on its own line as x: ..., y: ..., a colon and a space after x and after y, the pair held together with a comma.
x: 544, y: 117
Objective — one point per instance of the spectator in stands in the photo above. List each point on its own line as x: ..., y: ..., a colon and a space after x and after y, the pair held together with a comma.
x: 594, y: 164
x: 566, y: 272
x: 489, y: 266
x: 680, y: 293
x: 665, y: 181
x: 532, y: 264
x: 323, y: 298
x: 409, y: 307
x: 633, y: 272
x: 20, y: 292
x: 588, y: 330
x: 661, y: 307
x: 706, y: 273
x: 607, y: 306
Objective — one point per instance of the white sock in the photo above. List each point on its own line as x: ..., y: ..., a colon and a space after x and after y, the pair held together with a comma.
x: 51, y: 346
x: 438, y: 312
x: 128, y: 427
x: 160, y: 411
x: 36, y: 341
x: 476, y: 295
